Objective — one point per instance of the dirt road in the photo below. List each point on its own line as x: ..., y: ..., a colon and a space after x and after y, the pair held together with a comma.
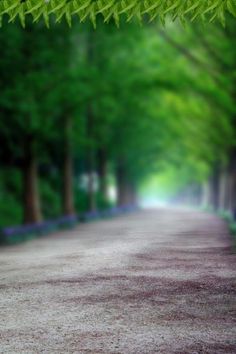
x: 157, y: 281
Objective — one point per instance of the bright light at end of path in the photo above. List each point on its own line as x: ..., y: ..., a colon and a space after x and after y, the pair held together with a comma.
x: 152, y: 202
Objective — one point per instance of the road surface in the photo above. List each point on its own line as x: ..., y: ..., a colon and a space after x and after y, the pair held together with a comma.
x: 156, y: 281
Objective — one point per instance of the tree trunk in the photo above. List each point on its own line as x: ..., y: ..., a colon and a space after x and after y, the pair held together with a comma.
x: 68, y: 195
x: 126, y: 191
x: 228, y: 197
x: 223, y: 189
x: 92, y: 202
x: 102, y: 173
x: 198, y: 195
x: 206, y: 202
x: 231, y: 198
x: 31, y: 200
x: 121, y: 185
x: 215, y: 189
x: 132, y: 194
x: 233, y: 195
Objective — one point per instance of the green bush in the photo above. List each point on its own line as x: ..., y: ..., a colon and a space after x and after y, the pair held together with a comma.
x: 10, y: 197
x: 226, y: 215
x: 103, y: 203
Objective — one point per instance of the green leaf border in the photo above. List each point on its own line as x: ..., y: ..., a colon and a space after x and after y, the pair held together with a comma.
x: 207, y: 10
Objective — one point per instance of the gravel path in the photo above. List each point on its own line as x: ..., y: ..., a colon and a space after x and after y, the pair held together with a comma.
x: 157, y: 281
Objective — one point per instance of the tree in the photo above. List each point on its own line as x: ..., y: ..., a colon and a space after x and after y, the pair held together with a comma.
x: 25, y: 120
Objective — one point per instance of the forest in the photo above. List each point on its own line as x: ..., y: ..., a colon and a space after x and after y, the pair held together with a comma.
x: 118, y: 166
x: 89, y: 114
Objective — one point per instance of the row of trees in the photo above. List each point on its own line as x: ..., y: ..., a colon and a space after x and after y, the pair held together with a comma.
x: 210, y: 141
x: 72, y: 103
x: 124, y: 104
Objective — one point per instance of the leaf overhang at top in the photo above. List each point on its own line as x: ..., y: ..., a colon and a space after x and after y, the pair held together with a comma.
x: 148, y: 10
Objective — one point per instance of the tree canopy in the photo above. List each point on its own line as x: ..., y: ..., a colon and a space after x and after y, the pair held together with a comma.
x: 85, y: 110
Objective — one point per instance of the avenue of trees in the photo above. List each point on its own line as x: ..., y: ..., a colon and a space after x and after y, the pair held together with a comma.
x: 115, y: 107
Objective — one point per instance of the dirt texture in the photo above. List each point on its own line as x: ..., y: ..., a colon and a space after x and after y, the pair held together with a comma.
x: 156, y: 281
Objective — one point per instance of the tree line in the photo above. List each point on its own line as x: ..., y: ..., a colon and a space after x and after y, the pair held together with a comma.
x: 118, y: 105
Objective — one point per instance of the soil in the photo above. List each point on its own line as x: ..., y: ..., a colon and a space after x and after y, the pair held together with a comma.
x: 155, y: 281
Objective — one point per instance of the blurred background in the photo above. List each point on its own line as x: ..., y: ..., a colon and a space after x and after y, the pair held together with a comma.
x: 90, y: 118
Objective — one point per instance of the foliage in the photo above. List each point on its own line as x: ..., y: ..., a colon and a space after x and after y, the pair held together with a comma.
x: 162, y: 105
x: 200, y: 117
x: 114, y: 10
x: 10, y: 196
